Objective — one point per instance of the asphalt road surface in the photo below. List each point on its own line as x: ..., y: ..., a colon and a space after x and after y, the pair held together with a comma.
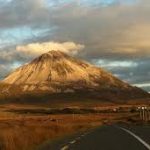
x: 108, y: 137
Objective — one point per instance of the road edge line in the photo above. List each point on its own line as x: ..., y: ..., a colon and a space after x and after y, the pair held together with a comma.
x: 136, y: 137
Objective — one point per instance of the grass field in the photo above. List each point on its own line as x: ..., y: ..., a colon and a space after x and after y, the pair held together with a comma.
x: 26, y: 131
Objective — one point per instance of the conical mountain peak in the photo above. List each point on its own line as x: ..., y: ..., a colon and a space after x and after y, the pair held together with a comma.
x: 54, y: 66
x: 56, y: 72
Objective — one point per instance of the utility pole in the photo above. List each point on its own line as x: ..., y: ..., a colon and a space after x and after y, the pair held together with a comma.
x: 148, y: 114
x: 143, y: 113
x: 146, y: 111
x: 140, y: 113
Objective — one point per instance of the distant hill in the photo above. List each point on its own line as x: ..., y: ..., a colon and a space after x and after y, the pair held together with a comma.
x: 56, y: 75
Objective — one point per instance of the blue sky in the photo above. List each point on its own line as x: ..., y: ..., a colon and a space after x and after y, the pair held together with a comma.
x: 113, y: 34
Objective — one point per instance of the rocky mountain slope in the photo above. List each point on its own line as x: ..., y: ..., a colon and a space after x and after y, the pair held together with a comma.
x: 56, y: 72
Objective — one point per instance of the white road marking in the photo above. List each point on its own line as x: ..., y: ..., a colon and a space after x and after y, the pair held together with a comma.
x: 137, y: 137
x: 65, y: 147
x: 72, y: 142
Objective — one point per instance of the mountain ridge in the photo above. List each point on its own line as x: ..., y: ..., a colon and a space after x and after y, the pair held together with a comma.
x: 56, y: 72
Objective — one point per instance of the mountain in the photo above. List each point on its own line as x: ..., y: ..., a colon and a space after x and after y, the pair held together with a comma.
x: 56, y: 73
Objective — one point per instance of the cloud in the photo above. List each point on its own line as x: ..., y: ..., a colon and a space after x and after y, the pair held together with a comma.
x: 113, y: 31
x: 107, y: 29
x: 17, y: 13
x: 35, y: 49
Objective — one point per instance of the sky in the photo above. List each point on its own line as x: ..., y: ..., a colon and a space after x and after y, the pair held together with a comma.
x: 112, y: 34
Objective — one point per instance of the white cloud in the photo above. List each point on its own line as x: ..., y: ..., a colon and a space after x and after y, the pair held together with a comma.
x: 113, y: 64
x: 143, y: 85
x: 35, y: 49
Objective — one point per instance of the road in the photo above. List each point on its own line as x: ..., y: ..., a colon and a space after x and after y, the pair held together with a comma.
x: 108, y: 137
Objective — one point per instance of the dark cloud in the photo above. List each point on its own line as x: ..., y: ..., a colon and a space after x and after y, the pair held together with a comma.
x: 18, y: 13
